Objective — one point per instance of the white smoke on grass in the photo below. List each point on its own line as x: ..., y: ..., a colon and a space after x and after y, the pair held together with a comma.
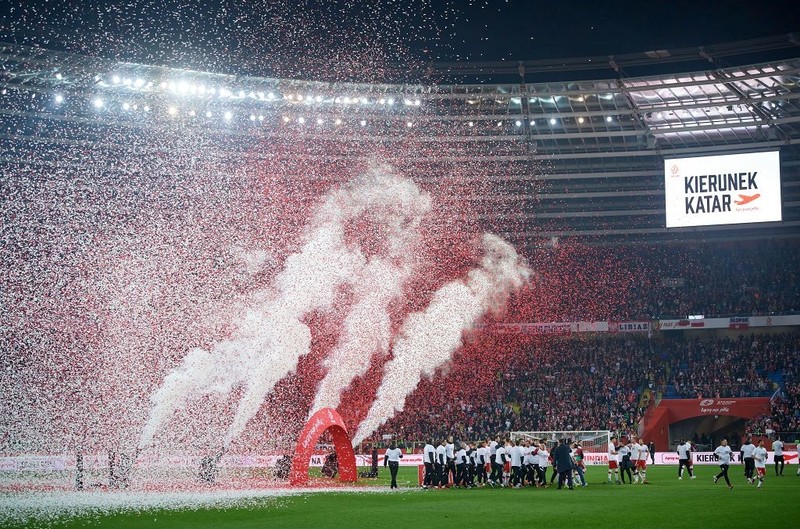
x: 271, y: 337
x: 428, y: 338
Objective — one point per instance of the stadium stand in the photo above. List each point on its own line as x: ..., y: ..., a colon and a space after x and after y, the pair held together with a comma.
x: 578, y: 384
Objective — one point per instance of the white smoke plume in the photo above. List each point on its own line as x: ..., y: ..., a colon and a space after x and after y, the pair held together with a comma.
x: 428, y: 338
x: 367, y: 331
x: 367, y: 327
x: 271, y: 338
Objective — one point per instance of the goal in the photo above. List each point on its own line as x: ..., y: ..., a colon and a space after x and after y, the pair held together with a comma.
x: 591, y: 440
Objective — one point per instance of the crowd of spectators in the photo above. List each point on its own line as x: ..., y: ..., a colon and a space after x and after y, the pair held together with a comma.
x: 559, y: 384
x: 785, y: 414
x: 748, y: 365
x: 606, y: 383
x: 739, y: 279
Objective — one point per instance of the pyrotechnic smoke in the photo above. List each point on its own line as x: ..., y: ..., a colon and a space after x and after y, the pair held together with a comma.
x: 272, y: 336
x: 367, y: 327
x: 367, y: 330
x: 428, y: 338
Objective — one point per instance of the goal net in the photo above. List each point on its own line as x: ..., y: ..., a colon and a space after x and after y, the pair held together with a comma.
x: 591, y: 440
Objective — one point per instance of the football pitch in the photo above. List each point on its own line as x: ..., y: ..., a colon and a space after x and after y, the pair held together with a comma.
x: 667, y: 502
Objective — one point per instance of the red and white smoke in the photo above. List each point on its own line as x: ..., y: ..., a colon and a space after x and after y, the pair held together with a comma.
x: 274, y: 333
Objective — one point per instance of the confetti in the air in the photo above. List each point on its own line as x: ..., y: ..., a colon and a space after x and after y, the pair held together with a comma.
x: 182, y: 281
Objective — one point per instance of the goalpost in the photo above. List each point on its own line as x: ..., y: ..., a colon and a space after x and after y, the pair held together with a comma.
x: 591, y: 440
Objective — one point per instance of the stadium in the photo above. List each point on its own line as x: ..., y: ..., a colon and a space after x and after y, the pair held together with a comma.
x: 213, y: 282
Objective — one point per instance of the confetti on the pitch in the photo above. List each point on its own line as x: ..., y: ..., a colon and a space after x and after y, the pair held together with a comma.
x: 48, y: 509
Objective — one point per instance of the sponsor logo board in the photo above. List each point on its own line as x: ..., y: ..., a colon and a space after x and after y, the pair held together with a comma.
x: 724, y: 189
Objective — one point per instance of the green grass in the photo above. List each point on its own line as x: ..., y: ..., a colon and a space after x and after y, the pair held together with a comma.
x: 667, y: 503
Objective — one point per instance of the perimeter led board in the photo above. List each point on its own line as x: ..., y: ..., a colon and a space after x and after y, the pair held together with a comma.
x: 727, y: 189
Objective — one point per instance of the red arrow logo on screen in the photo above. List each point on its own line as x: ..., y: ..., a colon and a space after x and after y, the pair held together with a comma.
x: 745, y: 199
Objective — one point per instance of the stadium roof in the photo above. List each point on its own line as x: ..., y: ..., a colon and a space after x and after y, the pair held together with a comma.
x: 593, y: 149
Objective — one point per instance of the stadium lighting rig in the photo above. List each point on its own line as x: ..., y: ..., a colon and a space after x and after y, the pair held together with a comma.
x: 181, y: 86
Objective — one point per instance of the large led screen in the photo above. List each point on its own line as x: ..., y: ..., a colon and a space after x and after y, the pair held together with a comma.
x: 727, y: 189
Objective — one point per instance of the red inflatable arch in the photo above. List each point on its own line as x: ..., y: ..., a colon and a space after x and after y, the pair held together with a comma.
x: 326, y: 419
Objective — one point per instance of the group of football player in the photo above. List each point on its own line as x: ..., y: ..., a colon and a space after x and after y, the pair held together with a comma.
x: 502, y: 463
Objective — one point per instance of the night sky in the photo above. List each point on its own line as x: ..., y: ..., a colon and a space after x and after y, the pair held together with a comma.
x: 305, y: 38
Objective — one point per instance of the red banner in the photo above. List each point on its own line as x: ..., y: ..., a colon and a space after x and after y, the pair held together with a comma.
x: 746, y: 407
x: 669, y: 411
